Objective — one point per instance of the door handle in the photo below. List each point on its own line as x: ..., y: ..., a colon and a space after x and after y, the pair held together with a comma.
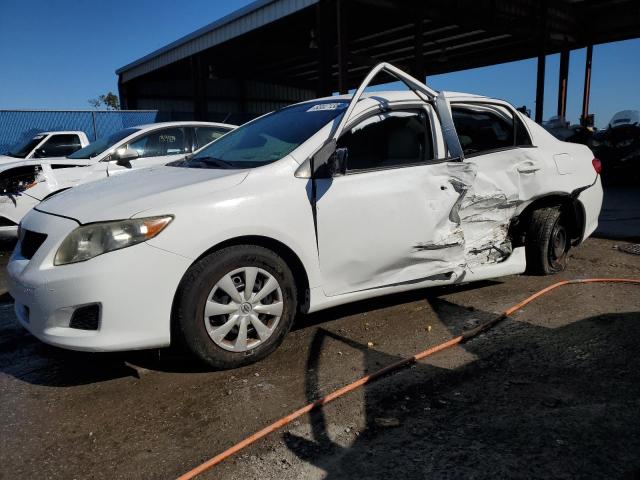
x: 528, y: 167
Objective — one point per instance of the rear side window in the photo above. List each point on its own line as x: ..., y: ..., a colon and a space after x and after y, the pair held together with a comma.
x: 205, y: 135
x: 60, y: 146
x: 486, y: 127
x: 160, y: 143
x: 390, y: 140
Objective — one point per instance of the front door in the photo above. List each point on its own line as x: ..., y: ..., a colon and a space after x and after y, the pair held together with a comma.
x: 155, y: 148
x: 387, y: 221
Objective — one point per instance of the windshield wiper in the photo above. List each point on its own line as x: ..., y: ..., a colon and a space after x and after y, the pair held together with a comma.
x: 213, y: 161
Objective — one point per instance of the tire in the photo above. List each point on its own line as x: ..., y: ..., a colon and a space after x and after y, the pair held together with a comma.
x: 547, y: 242
x: 206, y: 284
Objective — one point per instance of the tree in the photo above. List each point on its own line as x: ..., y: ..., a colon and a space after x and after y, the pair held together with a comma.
x: 110, y: 101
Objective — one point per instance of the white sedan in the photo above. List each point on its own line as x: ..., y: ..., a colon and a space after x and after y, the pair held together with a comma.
x: 317, y: 204
x: 25, y: 183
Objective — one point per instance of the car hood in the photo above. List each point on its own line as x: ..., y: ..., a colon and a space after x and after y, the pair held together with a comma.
x: 5, y: 159
x: 7, y: 163
x: 124, y: 195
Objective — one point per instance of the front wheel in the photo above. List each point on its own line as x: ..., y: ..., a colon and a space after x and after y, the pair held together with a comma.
x: 547, y: 242
x: 235, y: 306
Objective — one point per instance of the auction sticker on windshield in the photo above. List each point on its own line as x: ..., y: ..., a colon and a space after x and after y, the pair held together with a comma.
x: 323, y: 107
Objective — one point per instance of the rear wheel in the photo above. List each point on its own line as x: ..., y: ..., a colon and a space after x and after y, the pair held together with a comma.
x: 547, y: 242
x: 236, y: 305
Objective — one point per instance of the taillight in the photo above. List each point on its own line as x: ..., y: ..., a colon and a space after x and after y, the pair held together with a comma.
x: 597, y: 165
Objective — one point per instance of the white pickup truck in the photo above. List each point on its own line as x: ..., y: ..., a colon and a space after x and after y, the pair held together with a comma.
x: 46, y: 144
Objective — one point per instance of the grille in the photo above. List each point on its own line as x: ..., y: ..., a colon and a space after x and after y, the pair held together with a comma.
x: 86, y: 318
x: 30, y: 243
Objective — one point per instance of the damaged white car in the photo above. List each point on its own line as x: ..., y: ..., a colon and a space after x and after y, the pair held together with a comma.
x: 24, y: 184
x: 318, y: 204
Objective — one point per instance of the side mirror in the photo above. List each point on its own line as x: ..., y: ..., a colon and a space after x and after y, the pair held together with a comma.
x: 40, y: 153
x: 330, y: 161
x: 124, y: 155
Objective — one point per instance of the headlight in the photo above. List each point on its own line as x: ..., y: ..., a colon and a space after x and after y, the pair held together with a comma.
x: 97, y: 238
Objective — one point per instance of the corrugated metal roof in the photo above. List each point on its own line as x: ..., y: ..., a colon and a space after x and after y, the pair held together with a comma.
x: 254, y: 15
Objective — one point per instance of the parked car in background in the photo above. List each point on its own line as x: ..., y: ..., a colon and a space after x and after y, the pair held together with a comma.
x: 618, y: 146
x: 46, y: 144
x: 318, y: 204
x: 563, y: 130
x: 24, y: 184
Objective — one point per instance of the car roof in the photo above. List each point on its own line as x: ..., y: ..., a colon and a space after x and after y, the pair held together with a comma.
x: 627, y: 117
x: 382, y: 98
x: 184, y: 123
x: 64, y: 132
x: 397, y: 96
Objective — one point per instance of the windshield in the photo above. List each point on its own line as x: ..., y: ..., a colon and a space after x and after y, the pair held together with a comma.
x: 103, y: 144
x: 267, y: 139
x: 23, y: 148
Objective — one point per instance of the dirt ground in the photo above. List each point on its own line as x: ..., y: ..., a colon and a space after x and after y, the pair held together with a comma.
x: 553, y: 392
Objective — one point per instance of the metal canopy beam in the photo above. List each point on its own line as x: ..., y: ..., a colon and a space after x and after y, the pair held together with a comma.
x: 563, y: 79
x: 587, y: 85
x: 343, y: 52
x: 199, y: 86
x: 542, y: 57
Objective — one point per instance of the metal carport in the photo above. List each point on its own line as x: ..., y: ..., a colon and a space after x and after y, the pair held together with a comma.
x: 275, y: 52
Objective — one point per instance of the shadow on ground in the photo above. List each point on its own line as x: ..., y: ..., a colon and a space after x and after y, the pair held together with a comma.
x: 26, y: 358
x: 561, y: 403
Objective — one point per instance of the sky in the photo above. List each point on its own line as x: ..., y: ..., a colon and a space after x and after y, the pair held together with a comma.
x: 58, y: 54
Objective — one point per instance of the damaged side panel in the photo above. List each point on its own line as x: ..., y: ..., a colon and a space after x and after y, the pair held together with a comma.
x: 23, y: 186
x: 52, y: 178
x: 413, y: 224
x: 375, y: 231
x: 447, y: 221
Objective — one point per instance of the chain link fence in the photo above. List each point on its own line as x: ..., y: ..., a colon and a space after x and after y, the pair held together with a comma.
x: 19, y: 125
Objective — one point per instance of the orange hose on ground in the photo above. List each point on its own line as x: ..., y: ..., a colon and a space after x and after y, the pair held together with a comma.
x: 389, y: 368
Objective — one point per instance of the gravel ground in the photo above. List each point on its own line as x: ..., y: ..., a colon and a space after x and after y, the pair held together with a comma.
x: 553, y: 392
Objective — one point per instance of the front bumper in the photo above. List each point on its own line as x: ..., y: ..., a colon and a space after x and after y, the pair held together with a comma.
x: 134, y: 288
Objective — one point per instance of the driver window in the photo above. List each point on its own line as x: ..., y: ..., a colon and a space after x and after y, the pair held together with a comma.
x: 393, y: 139
x: 169, y: 141
x: 61, y: 145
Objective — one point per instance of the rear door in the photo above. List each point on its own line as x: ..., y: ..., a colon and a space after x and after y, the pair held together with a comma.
x: 506, y: 171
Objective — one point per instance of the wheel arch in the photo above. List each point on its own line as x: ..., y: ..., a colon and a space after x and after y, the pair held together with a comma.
x: 292, y: 259
x: 570, y: 207
x: 55, y: 193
